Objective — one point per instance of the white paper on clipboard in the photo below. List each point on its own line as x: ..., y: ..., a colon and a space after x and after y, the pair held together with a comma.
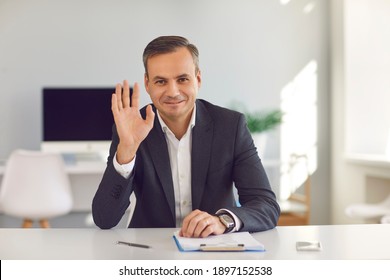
x: 237, y: 241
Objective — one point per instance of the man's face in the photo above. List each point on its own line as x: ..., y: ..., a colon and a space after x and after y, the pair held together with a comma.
x: 173, y: 84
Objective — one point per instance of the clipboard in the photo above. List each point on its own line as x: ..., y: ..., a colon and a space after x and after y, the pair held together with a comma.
x: 222, y: 247
x: 231, y: 242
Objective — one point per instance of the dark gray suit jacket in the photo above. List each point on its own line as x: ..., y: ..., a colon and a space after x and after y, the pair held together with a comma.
x: 222, y: 153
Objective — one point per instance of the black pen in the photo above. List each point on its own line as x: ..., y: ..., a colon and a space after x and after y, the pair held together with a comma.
x: 133, y: 244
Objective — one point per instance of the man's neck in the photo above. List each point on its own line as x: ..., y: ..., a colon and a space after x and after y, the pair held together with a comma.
x: 178, y: 126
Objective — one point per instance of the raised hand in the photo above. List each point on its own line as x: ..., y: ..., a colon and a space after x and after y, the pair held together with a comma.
x: 132, y: 128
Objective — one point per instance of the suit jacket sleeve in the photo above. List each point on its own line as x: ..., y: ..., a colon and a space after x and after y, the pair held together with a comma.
x: 259, y: 210
x: 113, y: 195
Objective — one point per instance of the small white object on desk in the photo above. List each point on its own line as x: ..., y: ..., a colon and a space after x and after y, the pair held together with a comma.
x: 308, y: 246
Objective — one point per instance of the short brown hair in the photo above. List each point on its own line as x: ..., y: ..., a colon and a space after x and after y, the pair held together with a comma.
x: 168, y: 44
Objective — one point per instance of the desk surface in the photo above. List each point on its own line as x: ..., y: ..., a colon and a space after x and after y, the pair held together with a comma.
x: 339, y: 242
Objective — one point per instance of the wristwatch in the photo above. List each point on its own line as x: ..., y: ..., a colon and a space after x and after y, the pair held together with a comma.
x: 227, y: 221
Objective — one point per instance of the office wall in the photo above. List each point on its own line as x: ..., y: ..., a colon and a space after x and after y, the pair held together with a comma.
x: 249, y: 51
x: 367, y: 58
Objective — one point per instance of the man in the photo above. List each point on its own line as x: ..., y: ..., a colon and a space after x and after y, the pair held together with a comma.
x: 181, y: 155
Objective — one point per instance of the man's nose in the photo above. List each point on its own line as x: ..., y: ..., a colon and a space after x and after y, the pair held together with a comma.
x: 173, y: 90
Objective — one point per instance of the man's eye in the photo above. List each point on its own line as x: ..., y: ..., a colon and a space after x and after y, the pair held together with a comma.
x: 182, y: 80
x: 160, y: 82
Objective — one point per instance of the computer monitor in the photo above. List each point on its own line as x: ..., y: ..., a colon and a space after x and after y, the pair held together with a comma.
x: 77, y: 121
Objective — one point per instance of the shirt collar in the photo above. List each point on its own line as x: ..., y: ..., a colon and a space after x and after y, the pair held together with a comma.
x: 190, y: 126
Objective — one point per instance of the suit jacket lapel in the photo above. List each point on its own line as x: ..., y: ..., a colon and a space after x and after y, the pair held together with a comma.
x: 202, y: 136
x: 159, y: 153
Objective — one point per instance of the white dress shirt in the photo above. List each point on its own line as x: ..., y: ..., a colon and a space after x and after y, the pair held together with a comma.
x: 180, y: 160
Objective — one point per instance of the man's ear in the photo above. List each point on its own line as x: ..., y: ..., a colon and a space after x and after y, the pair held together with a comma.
x: 146, y: 82
x: 199, y: 78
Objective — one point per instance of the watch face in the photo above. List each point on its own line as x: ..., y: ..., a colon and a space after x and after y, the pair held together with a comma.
x: 227, y: 221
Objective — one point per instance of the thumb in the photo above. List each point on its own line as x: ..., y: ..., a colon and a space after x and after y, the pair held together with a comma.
x: 149, y: 116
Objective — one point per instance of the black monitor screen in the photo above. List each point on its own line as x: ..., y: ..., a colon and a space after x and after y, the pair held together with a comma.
x: 77, y: 114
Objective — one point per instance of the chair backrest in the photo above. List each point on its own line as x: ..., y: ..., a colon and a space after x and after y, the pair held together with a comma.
x: 35, y: 185
x: 297, y: 208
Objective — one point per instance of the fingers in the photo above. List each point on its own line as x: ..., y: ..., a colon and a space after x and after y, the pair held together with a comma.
x: 118, y: 97
x: 187, y: 229
x: 126, y: 94
x: 200, y: 224
x: 135, y: 97
x: 123, y: 97
x: 114, y: 104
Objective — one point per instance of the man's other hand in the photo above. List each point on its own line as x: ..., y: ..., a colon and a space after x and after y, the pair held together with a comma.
x: 201, y: 224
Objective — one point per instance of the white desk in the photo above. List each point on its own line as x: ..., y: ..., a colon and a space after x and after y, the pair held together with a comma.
x: 340, y: 242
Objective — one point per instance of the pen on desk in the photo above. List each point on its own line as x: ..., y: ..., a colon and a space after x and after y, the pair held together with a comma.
x: 133, y: 244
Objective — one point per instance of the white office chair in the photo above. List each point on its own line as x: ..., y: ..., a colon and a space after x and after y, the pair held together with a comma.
x: 35, y: 187
x: 385, y: 219
x: 369, y: 210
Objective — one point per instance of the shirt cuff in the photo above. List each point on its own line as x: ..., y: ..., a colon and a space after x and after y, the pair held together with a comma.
x: 237, y: 221
x: 124, y: 169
